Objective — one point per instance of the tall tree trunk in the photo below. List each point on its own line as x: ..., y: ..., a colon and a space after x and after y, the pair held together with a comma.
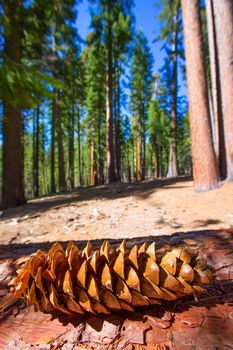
x: 204, y: 161
x: 13, y: 158
x: 71, y: 148
x: 100, y: 162
x: 61, y: 165
x: 157, y: 163
x: 52, y: 169
x: 117, y: 131
x: 172, y: 165
x: 216, y: 91
x: 36, y: 137
x: 138, y: 158
x: 43, y: 140
x: 92, y: 160
x: 223, y: 15
x: 79, y: 151
x: 143, y: 150
x: 109, y: 115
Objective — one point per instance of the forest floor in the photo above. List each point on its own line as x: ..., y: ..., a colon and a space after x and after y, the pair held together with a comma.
x: 152, y: 208
x: 167, y: 211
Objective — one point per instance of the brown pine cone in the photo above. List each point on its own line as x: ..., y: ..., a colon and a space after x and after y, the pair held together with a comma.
x: 105, y: 280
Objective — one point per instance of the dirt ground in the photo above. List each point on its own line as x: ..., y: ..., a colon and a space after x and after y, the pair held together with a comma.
x: 152, y: 208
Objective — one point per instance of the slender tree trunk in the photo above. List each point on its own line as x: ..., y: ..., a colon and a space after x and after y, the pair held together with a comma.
x: 138, y: 158
x: 216, y: 91
x: 13, y: 158
x: 79, y: 151
x: 157, y: 162
x: 36, y: 137
x: 100, y: 163
x: 143, y: 151
x: 204, y: 161
x: 52, y: 174
x: 117, y: 132
x: 109, y: 115
x: 223, y: 16
x: 172, y: 165
x: 61, y: 165
x: 92, y: 159
x: 71, y: 148
x: 43, y: 139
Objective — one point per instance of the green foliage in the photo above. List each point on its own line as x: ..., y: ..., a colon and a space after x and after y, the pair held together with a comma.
x: 25, y: 86
x: 141, y: 81
x: 159, y: 131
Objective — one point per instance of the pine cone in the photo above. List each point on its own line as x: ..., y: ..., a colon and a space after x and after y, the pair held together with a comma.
x: 107, y: 279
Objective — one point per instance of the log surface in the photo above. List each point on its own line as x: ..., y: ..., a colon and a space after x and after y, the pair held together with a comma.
x: 188, y: 323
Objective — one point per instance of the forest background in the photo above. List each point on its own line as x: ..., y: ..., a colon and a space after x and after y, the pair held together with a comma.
x: 88, y: 98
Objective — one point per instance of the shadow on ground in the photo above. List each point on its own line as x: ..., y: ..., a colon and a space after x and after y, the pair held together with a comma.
x: 112, y: 191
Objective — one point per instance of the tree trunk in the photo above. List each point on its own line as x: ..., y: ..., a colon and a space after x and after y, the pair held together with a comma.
x: 45, y: 189
x: 52, y: 174
x: 138, y: 159
x: 36, y: 136
x: 117, y: 131
x: 204, y: 162
x: 223, y: 16
x: 157, y: 162
x: 216, y: 91
x: 79, y: 151
x: 109, y: 115
x: 61, y: 165
x: 13, y: 159
x: 92, y: 160
x: 71, y: 148
x: 172, y: 166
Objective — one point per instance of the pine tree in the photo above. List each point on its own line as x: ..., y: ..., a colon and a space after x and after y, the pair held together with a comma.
x: 170, y: 18
x: 141, y: 89
x: 159, y: 138
x: 95, y: 107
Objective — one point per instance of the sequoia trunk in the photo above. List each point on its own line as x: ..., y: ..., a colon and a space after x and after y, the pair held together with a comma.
x: 223, y: 15
x: 216, y: 91
x: 204, y: 163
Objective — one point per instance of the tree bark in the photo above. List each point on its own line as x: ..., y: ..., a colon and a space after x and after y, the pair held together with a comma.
x: 172, y: 166
x: 71, y: 148
x: 61, y: 165
x: 216, y: 91
x: 93, y: 171
x: 138, y: 158
x: 109, y: 99
x: 223, y: 16
x: 204, y: 162
x: 36, y: 137
x: 13, y: 153
x: 79, y: 151
x: 52, y: 173
x: 117, y: 132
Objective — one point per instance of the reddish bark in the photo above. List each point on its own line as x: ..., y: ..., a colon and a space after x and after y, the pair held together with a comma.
x: 223, y: 11
x: 219, y: 138
x: 204, y: 163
